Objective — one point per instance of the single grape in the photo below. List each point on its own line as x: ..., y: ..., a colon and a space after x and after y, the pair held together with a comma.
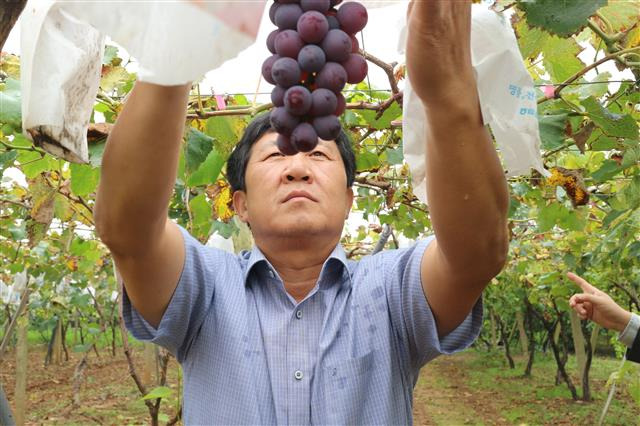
x: 272, y: 12
x: 332, y: 77
x: 271, y: 39
x: 267, y: 67
x: 285, y: 146
x: 327, y: 127
x: 323, y: 102
x: 311, y: 58
x: 319, y: 5
x: 282, y: 121
x: 353, y: 17
x: 356, y: 68
x: 355, y: 46
x: 297, y: 100
x: 342, y: 105
x: 287, y: 15
x: 277, y: 96
x: 286, y: 72
x: 288, y: 43
x: 333, y: 22
x: 312, y: 26
x: 337, y: 45
x: 304, y: 137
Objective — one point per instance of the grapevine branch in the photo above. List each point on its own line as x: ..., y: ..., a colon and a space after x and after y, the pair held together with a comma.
x: 387, y: 68
x: 556, y: 92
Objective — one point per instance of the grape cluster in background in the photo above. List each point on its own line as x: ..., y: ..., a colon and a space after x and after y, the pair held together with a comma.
x: 315, y: 53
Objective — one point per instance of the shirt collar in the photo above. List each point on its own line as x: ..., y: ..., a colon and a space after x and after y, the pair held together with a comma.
x: 335, y: 268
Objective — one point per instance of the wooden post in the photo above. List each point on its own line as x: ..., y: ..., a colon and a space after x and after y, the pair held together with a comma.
x: 494, y: 334
x: 22, y: 361
x: 578, y: 343
x: 56, y: 356
x: 149, y: 364
x: 524, y: 340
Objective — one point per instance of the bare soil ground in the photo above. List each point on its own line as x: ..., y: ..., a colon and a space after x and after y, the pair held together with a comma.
x: 452, y: 390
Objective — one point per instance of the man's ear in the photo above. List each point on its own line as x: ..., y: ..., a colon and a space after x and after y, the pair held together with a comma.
x: 349, y: 202
x: 240, y: 205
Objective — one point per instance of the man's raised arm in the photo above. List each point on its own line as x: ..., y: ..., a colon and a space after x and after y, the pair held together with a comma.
x: 139, y: 169
x: 466, y: 187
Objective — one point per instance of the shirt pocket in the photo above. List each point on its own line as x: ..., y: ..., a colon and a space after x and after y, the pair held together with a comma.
x: 347, y: 385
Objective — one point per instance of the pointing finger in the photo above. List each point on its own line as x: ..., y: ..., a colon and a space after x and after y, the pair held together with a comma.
x: 582, y: 283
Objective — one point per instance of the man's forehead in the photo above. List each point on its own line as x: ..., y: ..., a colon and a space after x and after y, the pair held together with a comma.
x: 270, y: 139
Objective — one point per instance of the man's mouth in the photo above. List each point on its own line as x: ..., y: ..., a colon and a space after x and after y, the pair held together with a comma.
x: 298, y: 194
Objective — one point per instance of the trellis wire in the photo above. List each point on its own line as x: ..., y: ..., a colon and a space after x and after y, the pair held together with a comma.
x: 585, y: 83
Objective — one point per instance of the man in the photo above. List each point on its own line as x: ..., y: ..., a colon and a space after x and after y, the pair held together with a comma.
x: 292, y: 332
x: 599, y: 307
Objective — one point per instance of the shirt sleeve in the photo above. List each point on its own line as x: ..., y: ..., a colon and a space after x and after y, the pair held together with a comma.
x: 189, y: 304
x: 630, y: 331
x: 411, y: 313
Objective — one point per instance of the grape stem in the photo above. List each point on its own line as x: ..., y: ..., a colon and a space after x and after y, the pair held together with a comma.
x: 380, y: 107
x: 387, y: 68
x: 225, y: 112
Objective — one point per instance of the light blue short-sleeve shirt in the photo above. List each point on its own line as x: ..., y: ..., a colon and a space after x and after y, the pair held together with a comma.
x: 349, y: 353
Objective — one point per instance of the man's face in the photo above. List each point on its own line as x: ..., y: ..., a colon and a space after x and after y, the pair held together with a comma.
x: 294, y: 196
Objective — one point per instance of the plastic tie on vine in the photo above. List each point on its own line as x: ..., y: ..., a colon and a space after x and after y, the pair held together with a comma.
x: 507, y: 96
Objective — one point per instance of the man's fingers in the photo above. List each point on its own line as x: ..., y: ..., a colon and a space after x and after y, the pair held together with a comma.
x: 582, y: 283
x: 583, y: 298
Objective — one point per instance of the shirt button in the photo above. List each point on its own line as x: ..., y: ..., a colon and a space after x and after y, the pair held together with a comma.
x: 299, y: 314
x: 271, y: 274
x: 298, y: 375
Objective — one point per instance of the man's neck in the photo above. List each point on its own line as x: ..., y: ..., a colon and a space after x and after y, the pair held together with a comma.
x: 299, y: 263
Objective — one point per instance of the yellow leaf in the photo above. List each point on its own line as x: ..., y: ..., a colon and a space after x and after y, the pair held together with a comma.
x: 633, y: 38
x: 220, y: 192
x: 72, y: 264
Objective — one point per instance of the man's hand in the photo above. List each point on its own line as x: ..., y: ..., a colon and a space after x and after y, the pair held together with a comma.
x: 439, y: 49
x: 597, y: 306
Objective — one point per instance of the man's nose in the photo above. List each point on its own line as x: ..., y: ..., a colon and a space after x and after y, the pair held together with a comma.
x: 297, y: 169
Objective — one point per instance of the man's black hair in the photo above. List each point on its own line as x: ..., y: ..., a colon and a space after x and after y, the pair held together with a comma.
x: 239, y: 158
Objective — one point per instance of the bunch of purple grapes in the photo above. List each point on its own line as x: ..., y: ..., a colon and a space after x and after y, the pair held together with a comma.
x: 315, y: 53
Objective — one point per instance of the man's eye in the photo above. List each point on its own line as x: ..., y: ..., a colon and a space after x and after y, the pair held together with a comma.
x: 318, y: 154
x: 275, y: 154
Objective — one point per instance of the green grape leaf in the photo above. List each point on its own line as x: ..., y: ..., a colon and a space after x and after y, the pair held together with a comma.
x: 225, y: 130
x: 84, y: 179
x: 198, y: 147
x: 563, y: 18
x: 33, y: 163
x: 560, y: 58
x: 395, y: 156
x: 202, y: 216
x: 620, y: 125
x: 608, y: 170
x: 6, y: 160
x: 552, y: 130
x: 159, y: 392
x: 208, y: 171
x: 366, y: 160
x: 390, y: 114
x: 62, y: 208
x: 11, y: 103
x: 621, y: 14
x: 530, y: 39
x: 549, y: 216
